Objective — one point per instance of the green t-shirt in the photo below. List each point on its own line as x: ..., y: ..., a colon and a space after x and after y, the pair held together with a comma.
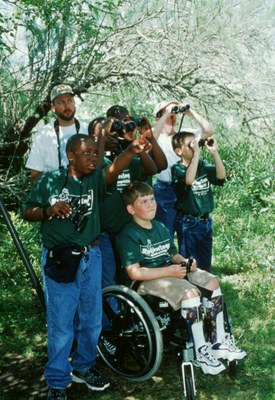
x: 57, y: 186
x: 196, y: 199
x: 113, y: 214
x: 151, y: 248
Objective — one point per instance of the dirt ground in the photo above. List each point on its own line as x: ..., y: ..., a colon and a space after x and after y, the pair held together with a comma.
x: 20, y: 379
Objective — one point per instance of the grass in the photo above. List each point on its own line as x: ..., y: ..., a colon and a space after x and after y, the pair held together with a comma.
x: 243, y: 260
x: 23, y: 334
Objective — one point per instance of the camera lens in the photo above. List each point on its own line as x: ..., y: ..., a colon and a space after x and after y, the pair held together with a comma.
x: 118, y: 126
x: 130, y: 126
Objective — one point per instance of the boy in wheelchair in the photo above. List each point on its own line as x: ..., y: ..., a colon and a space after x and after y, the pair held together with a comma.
x: 148, y: 254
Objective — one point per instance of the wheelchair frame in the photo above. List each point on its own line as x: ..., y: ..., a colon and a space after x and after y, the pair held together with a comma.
x: 140, y: 328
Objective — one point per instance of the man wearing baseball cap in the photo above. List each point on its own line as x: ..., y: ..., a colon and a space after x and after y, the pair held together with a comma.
x: 48, y: 149
x: 164, y: 130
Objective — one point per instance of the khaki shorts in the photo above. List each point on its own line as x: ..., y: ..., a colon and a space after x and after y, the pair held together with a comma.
x: 174, y: 289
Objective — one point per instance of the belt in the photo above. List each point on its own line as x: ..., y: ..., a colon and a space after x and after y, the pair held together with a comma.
x: 84, y: 249
x: 75, y: 248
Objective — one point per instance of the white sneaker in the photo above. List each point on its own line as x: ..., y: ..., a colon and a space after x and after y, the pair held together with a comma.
x: 227, y: 349
x: 207, y: 362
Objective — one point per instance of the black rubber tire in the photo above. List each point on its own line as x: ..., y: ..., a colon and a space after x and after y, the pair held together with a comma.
x: 189, y: 388
x: 232, y: 368
x: 134, y: 333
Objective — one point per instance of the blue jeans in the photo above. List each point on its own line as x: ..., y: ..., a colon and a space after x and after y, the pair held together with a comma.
x: 108, y: 260
x: 166, y: 199
x: 74, y: 311
x: 195, y: 239
x: 108, y: 273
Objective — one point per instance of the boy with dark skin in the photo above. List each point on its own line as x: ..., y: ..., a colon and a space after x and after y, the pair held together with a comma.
x: 74, y: 301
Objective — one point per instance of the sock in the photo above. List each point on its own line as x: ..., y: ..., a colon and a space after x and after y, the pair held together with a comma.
x: 192, y: 313
x: 214, y: 316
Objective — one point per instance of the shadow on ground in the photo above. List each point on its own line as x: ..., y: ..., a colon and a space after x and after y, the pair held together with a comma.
x: 20, y: 379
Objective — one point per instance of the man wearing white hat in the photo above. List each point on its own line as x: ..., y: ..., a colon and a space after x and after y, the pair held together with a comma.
x: 49, y: 144
x: 164, y: 130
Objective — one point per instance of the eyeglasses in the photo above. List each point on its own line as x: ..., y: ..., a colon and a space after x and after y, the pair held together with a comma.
x: 64, y: 102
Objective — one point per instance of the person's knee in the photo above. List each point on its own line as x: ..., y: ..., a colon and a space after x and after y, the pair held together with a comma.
x: 191, y: 293
x: 213, y: 284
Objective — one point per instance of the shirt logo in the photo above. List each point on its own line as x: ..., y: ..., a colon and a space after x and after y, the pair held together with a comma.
x: 123, y: 179
x: 65, y: 196
x: 151, y: 251
x: 201, y: 186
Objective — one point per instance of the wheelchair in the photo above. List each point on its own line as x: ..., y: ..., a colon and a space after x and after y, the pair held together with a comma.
x: 141, y: 327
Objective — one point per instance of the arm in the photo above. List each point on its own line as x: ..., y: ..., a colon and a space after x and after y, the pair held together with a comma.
x: 35, y: 175
x: 39, y: 213
x: 138, y: 273
x: 220, y: 170
x: 100, y: 151
x: 157, y: 152
x: 206, y: 127
x: 123, y: 160
x: 148, y: 165
x: 104, y: 130
x: 193, y: 165
x: 158, y: 128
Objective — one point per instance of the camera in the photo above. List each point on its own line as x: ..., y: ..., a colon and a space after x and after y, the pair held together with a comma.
x: 121, y: 127
x: 202, y: 142
x: 139, y: 121
x: 78, y: 216
x: 180, y: 109
x: 187, y: 264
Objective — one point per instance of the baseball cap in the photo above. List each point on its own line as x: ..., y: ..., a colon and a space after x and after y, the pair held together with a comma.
x: 58, y: 90
x: 160, y: 106
x: 117, y: 111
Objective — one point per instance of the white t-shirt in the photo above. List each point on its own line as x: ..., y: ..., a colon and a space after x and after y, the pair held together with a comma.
x: 165, y: 143
x: 44, y: 151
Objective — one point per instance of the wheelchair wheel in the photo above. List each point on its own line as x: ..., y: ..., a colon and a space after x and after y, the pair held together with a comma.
x: 189, y: 388
x: 133, y: 346
x: 232, y: 368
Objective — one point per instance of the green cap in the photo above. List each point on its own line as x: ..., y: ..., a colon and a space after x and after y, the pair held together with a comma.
x: 58, y: 90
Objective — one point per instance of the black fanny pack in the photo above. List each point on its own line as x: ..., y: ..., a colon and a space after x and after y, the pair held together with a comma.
x: 63, y: 262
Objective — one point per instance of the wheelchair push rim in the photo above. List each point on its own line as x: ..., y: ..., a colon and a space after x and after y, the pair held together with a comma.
x: 136, y: 342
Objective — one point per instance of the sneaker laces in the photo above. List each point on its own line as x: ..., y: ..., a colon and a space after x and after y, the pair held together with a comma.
x: 230, y: 343
x: 204, y: 352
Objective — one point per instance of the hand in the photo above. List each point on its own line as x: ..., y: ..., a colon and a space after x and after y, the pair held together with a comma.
x: 194, y: 145
x: 140, y: 144
x: 60, y: 209
x: 106, y: 126
x: 193, y: 267
x: 177, y: 271
x: 145, y: 130
x: 211, y: 145
x: 170, y: 107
